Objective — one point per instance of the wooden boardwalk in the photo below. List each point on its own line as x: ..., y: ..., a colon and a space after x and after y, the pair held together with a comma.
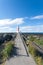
x: 20, y: 56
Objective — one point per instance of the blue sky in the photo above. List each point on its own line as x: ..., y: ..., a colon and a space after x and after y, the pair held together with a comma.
x: 28, y: 14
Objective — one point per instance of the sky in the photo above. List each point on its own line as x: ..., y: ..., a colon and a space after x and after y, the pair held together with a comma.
x: 27, y: 14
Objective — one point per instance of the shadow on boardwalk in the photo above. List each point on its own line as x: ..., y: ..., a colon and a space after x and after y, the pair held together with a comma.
x: 15, y: 53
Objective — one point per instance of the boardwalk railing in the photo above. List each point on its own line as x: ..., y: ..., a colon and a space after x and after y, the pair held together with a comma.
x: 37, y: 47
x: 26, y: 48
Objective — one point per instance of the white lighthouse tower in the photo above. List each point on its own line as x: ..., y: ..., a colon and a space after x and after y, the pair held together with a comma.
x: 18, y: 29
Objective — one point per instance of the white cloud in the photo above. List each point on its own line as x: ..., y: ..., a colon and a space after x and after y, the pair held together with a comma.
x: 5, y: 25
x: 37, y: 17
x: 7, y: 29
x: 37, y: 28
x: 17, y: 21
x: 8, y: 25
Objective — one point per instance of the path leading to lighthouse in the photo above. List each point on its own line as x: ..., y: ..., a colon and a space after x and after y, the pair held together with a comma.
x: 20, y: 56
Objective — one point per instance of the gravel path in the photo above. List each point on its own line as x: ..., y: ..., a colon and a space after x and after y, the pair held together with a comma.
x: 20, y: 56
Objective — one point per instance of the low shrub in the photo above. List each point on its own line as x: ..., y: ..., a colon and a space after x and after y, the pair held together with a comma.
x: 38, y: 60
x: 35, y: 55
x: 38, y: 41
x: 32, y: 38
x: 7, y: 50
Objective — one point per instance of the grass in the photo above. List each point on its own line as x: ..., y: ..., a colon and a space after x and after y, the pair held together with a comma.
x: 35, y: 54
x: 7, y: 50
x: 38, y: 41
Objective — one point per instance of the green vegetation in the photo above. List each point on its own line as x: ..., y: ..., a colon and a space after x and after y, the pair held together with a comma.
x: 32, y: 50
x: 39, y: 41
x: 35, y: 55
x: 7, y: 50
x: 6, y: 46
x: 36, y: 40
x: 32, y: 38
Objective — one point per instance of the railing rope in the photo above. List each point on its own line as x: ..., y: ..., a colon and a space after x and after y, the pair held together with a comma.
x: 26, y: 48
x: 38, y: 47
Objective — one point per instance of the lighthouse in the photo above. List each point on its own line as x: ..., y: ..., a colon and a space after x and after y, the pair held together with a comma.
x: 18, y: 29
